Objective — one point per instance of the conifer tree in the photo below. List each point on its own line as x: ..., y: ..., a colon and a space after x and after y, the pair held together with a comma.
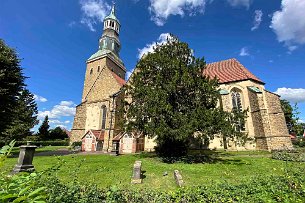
x: 172, y: 99
x: 24, y: 116
x: 17, y: 107
x: 43, y: 130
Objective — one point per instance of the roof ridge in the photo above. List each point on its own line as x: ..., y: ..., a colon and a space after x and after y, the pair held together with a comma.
x: 221, y: 61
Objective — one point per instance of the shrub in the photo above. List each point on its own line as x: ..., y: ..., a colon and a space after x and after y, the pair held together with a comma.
x: 300, y: 142
x: 21, y: 187
x: 74, y: 144
x: 41, y: 143
x: 289, y: 155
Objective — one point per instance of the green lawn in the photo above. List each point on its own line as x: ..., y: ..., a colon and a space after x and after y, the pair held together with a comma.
x: 105, y: 170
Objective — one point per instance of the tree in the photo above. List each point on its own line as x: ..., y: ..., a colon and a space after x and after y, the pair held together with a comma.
x: 43, y: 130
x: 17, y: 107
x: 172, y: 100
x: 58, y: 134
x: 24, y: 116
x: 291, y: 116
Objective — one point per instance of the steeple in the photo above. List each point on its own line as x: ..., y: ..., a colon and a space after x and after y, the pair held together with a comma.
x: 109, y: 42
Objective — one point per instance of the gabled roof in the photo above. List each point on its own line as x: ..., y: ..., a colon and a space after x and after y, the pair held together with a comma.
x: 99, y: 134
x: 120, y: 81
x: 230, y: 70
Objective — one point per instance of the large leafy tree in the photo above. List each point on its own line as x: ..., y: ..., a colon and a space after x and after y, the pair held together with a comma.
x: 58, y: 134
x: 17, y: 107
x: 172, y: 100
x: 291, y: 116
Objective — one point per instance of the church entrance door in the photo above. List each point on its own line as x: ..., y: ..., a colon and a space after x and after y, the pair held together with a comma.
x: 127, y: 144
x: 88, y: 143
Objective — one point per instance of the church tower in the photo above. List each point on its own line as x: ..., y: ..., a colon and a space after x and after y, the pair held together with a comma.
x: 104, y: 77
x: 107, y: 55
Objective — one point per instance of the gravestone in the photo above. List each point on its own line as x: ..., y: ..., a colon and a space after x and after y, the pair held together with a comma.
x: 25, y: 159
x: 178, y: 178
x: 136, y: 175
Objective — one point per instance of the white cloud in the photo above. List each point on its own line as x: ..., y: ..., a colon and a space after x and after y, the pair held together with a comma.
x: 94, y: 11
x: 59, y: 122
x: 150, y: 47
x: 293, y: 95
x: 289, y: 23
x: 244, y: 52
x: 257, y: 19
x: 65, y: 108
x: 238, y: 3
x: 162, y: 9
x: 62, y: 126
x: 39, y: 98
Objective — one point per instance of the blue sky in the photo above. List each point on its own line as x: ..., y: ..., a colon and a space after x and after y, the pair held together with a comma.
x: 54, y: 39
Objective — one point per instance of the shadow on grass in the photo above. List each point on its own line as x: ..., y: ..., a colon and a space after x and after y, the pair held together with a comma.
x: 143, y: 174
x: 196, y: 157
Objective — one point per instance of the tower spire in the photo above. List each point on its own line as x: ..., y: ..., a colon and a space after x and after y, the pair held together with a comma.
x: 113, y: 8
x: 109, y: 42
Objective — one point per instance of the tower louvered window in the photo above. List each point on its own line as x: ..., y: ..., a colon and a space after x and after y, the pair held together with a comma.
x: 104, y: 112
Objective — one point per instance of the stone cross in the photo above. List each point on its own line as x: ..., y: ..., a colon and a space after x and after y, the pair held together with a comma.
x: 178, y: 178
x: 136, y: 176
x: 25, y: 160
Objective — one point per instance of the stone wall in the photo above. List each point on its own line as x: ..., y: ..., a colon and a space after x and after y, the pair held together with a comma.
x: 115, y: 68
x: 104, y: 86
x: 78, y: 129
x: 101, y: 84
x: 279, y: 137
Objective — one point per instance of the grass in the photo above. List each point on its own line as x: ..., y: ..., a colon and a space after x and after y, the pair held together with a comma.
x: 105, y: 170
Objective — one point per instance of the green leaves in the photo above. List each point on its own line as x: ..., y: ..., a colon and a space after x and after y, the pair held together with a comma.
x: 173, y: 100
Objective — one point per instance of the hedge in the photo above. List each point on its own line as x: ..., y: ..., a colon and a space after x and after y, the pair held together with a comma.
x: 41, y: 143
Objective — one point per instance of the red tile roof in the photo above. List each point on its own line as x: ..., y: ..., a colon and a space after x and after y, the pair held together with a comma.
x: 99, y: 134
x: 229, y: 70
x: 118, y: 79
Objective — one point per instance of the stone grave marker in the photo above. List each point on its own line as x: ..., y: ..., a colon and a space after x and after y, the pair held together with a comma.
x: 178, y: 178
x: 136, y: 176
x: 25, y: 159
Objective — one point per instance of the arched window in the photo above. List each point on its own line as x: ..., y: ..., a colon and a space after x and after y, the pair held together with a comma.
x: 236, y: 101
x: 104, y: 112
x: 91, y: 71
x: 98, y: 69
x: 237, y: 106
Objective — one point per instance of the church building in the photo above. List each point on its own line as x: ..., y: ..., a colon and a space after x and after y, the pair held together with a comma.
x: 98, y: 121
